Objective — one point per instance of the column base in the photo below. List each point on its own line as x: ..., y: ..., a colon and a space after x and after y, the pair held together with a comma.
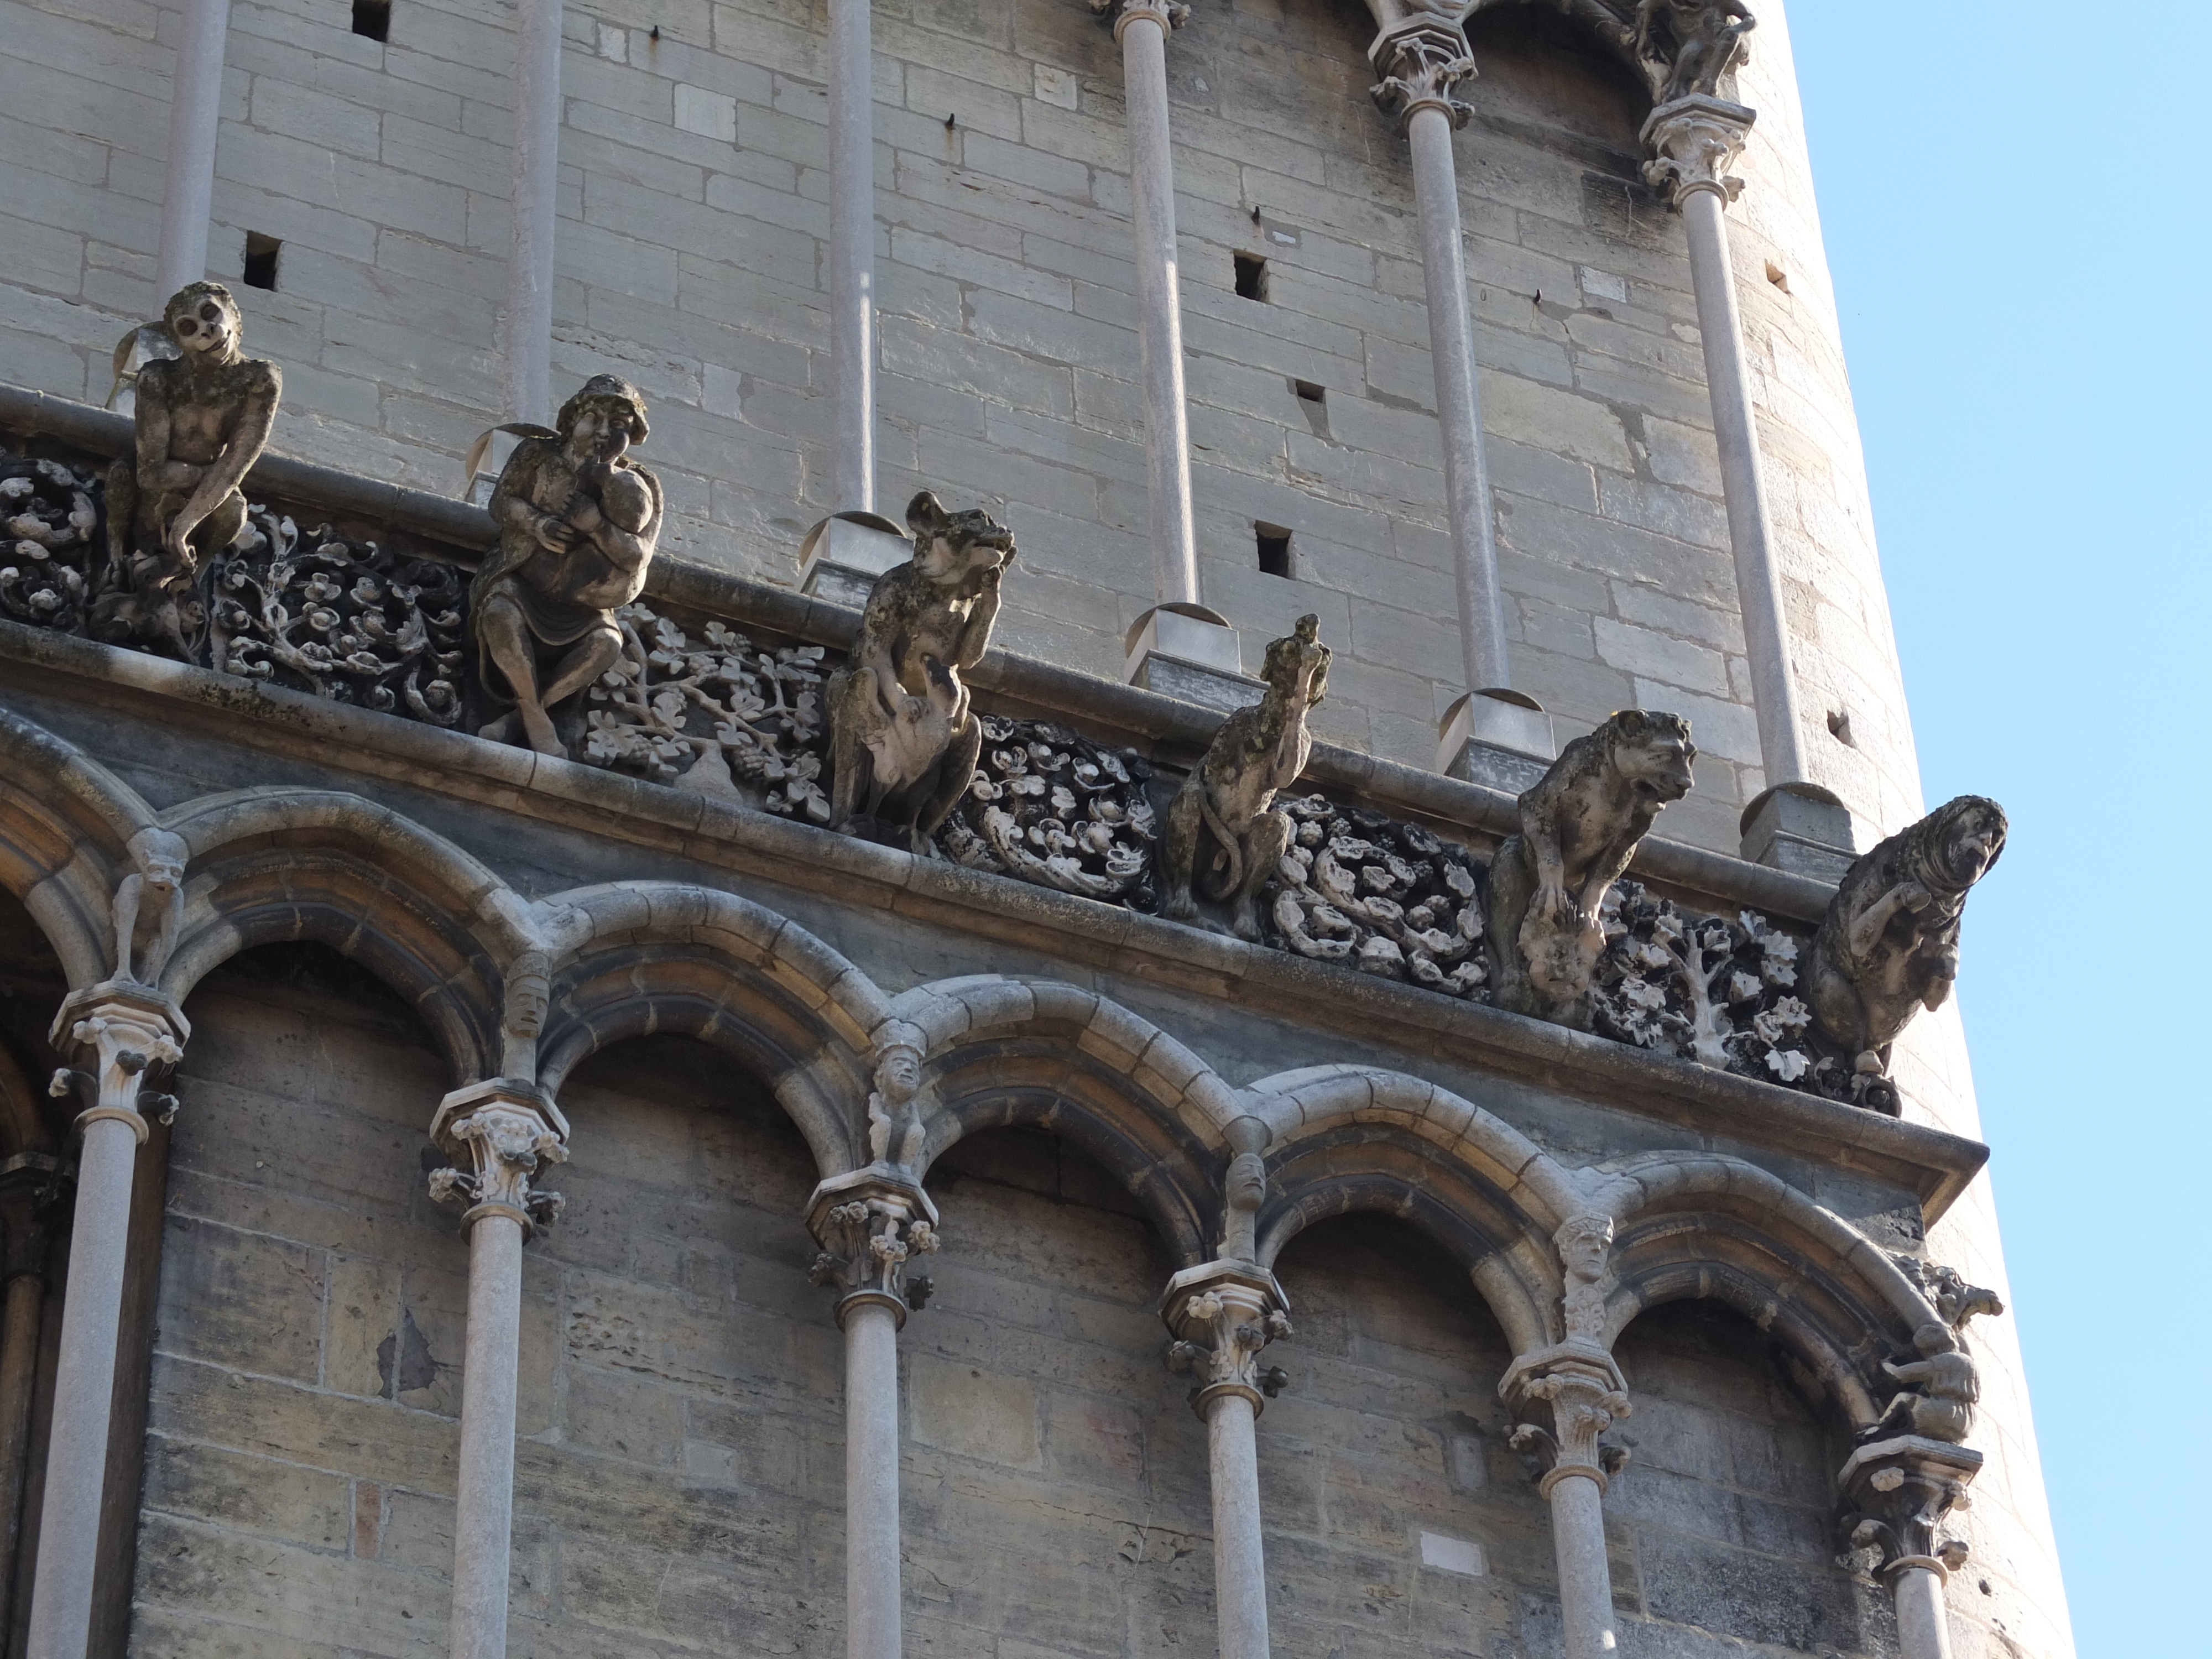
x: 1800, y: 827
x: 1501, y: 739
x: 1191, y: 654
x: 843, y: 555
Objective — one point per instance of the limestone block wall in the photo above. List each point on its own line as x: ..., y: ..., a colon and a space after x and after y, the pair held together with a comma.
x: 693, y: 210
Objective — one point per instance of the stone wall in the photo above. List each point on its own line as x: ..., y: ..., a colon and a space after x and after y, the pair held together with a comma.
x: 679, y: 1476
x: 693, y: 208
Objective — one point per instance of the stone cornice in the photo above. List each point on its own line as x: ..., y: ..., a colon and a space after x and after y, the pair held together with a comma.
x: 1705, y: 1105
x: 1107, y: 709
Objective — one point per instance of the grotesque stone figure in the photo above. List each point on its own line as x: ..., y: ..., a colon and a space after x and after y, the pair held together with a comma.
x: 1888, y: 945
x: 1942, y: 1390
x: 577, y: 526
x: 903, y: 740
x: 1579, y: 829
x: 1691, y: 44
x: 149, y: 907
x: 1228, y: 799
x: 1585, y: 1246
x: 895, y: 1128
x: 203, y: 420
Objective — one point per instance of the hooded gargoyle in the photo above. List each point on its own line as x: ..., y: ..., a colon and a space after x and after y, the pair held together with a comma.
x: 1888, y: 945
x: 903, y: 738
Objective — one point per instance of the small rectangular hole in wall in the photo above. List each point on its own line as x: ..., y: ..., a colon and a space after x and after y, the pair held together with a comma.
x: 261, y: 253
x: 1309, y: 392
x: 373, y: 18
x: 1274, y: 549
x: 1251, y: 277
x: 1779, y: 277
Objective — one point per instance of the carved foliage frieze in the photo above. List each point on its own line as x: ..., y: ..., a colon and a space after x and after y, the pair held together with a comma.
x: 1386, y: 898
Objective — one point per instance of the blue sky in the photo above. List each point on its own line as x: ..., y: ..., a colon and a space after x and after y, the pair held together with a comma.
x: 2015, y: 212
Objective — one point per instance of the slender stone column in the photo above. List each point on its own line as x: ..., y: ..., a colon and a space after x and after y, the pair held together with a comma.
x: 1223, y: 1313
x: 853, y: 249
x: 498, y: 1134
x: 1902, y: 1490
x: 1142, y: 27
x: 870, y: 1224
x: 128, y: 1036
x: 1422, y: 61
x: 1694, y: 141
x: 27, y: 1186
x: 536, y: 204
x: 195, y: 114
x: 1583, y: 1389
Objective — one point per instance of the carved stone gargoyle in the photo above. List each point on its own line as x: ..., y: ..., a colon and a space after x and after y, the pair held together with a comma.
x: 1579, y: 828
x: 149, y: 906
x: 578, y: 523
x: 1226, y: 805
x: 202, y: 420
x: 1687, y: 46
x: 902, y: 738
x: 1888, y: 945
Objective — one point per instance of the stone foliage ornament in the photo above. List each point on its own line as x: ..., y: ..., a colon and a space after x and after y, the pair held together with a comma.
x: 1688, y: 46
x: 578, y: 523
x: 1898, y: 1493
x: 712, y: 713
x: 1424, y: 60
x: 1222, y: 817
x: 1221, y: 1325
x: 1580, y: 826
x: 1046, y: 805
x: 1888, y: 945
x: 51, y: 554
x: 202, y: 420
x: 311, y: 611
x: 347, y: 621
x: 1387, y: 897
x: 504, y: 1133
x: 904, y: 737
x: 1710, y: 988
x: 868, y: 1239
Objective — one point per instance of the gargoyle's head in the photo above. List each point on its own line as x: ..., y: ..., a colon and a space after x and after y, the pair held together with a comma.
x: 606, y: 416
x: 898, y: 1073
x: 161, y: 856
x: 1292, y: 657
x: 955, y: 550
x: 1652, y: 752
x: 203, y: 320
x: 1959, y: 844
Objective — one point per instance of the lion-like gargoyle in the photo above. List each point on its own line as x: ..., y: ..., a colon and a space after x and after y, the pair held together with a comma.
x: 1888, y: 945
x: 1579, y: 829
x: 1227, y: 802
x: 903, y: 738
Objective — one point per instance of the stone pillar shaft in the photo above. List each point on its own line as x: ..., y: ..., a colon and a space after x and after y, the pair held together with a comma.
x: 1459, y: 401
x: 537, y: 201
x: 195, y: 116
x: 1585, y: 1576
x: 1142, y: 28
x: 84, y: 1390
x: 129, y: 1035
x: 852, y: 251
x: 499, y: 1133
x: 872, y: 1621
x: 1923, y: 1628
x: 1240, y: 1568
x: 1751, y: 531
x: 483, y: 1512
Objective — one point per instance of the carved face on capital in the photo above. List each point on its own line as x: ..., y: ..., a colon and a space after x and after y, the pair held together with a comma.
x: 203, y: 320
x: 1248, y: 1183
x: 898, y: 1074
x: 1584, y: 1242
x: 527, y: 997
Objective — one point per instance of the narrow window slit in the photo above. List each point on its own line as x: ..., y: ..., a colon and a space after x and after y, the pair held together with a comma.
x: 373, y: 19
x: 1251, y: 277
x: 1274, y: 544
x: 261, y: 253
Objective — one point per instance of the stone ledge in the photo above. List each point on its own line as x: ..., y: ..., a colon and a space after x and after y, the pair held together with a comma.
x: 1107, y: 710
x: 1710, y: 1104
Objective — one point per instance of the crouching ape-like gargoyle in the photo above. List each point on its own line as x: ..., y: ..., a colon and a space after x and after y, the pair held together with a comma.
x: 1579, y: 828
x: 1888, y: 945
x: 149, y: 906
x: 903, y: 738
x: 1226, y: 805
x: 1942, y: 1387
x: 577, y: 521
x: 203, y: 420
x: 1687, y: 46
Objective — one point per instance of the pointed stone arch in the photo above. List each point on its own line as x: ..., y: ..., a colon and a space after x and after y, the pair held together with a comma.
x: 65, y: 825
x: 632, y: 958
